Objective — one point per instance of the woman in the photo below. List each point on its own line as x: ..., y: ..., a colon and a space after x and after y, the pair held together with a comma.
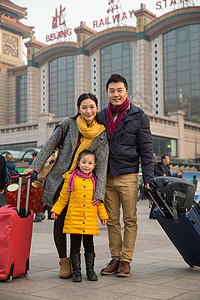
x: 81, y: 132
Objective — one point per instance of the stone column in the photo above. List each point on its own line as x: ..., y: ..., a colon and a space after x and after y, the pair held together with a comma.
x: 33, y: 86
x: 42, y: 128
x: 179, y: 116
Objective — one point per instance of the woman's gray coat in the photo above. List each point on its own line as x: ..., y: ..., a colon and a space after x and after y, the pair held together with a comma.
x: 99, y: 146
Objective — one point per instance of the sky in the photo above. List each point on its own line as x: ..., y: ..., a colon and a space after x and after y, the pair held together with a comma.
x: 41, y: 13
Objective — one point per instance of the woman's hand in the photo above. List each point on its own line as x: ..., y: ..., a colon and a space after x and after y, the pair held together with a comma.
x: 96, y: 202
x: 103, y: 222
x: 54, y: 216
x: 29, y: 171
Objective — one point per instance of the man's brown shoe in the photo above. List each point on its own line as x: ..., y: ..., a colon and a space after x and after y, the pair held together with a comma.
x: 124, y: 269
x: 111, y: 268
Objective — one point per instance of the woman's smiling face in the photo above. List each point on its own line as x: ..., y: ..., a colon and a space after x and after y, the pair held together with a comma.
x: 88, y: 110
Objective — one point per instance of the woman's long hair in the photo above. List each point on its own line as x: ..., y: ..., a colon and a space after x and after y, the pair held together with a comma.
x: 83, y: 97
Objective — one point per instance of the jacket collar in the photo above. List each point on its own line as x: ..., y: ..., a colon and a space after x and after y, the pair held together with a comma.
x: 132, y: 110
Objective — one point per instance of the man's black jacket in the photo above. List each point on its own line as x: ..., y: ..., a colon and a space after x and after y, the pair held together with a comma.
x: 160, y: 169
x: 131, y: 141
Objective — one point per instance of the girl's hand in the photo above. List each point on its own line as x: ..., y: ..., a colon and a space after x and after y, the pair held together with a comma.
x: 103, y: 222
x: 54, y: 216
x: 96, y: 202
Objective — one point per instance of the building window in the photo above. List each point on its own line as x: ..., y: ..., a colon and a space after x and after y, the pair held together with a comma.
x: 160, y: 146
x: 62, y: 86
x: 116, y: 58
x: 21, y: 100
x: 182, y: 71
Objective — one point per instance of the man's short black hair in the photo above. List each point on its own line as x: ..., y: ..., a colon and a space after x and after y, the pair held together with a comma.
x: 116, y: 78
x: 35, y: 153
x: 164, y: 156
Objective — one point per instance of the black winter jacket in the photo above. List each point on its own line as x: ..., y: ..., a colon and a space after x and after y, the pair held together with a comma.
x: 131, y: 141
x: 160, y: 169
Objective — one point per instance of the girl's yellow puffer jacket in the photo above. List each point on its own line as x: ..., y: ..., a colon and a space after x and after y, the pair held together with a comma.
x: 81, y: 217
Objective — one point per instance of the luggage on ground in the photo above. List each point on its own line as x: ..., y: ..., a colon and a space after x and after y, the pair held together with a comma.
x: 15, y: 237
x: 178, y: 214
x: 185, y: 235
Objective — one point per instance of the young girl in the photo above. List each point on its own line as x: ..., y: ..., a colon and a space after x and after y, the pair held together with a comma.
x: 81, y: 219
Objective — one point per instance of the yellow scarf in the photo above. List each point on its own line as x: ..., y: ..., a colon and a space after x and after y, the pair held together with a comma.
x: 88, y: 134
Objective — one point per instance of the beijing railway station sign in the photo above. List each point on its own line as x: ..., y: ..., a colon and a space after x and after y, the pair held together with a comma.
x: 59, y: 26
x: 115, y: 17
x: 173, y: 4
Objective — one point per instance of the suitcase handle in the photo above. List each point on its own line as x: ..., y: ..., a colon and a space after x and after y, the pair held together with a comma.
x: 21, y: 175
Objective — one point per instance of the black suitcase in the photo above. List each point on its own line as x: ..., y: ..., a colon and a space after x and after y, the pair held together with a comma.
x: 185, y: 235
x: 178, y: 214
x: 172, y: 194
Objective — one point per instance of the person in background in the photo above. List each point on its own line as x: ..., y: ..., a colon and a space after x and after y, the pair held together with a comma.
x: 169, y: 151
x: 38, y: 216
x: 11, y: 170
x: 129, y: 136
x: 2, y: 181
x: 162, y: 168
x: 81, y: 219
x: 195, y: 181
x: 179, y: 174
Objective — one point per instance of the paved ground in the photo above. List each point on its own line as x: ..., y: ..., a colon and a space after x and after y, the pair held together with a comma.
x: 158, y: 271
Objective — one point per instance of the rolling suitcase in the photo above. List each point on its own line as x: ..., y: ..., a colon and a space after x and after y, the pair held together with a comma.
x: 179, y: 215
x: 15, y: 237
x: 185, y: 235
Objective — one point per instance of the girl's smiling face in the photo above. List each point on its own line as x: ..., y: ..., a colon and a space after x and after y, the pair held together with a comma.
x: 87, y: 163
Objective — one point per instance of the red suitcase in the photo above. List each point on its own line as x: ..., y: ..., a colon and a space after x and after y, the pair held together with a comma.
x: 16, y: 226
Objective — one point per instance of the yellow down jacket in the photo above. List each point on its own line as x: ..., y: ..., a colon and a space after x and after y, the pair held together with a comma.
x: 81, y: 217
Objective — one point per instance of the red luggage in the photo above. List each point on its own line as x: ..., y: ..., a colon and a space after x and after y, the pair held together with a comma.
x: 16, y: 226
x: 35, y: 195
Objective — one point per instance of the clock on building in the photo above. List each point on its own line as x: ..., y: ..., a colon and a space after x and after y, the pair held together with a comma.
x: 10, y: 45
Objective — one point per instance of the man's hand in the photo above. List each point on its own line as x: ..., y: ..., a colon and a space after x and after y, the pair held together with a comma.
x: 96, y: 202
x: 147, y: 186
x: 1, y: 191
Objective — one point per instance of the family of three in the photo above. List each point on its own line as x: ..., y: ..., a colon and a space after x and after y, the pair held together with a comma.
x: 96, y: 173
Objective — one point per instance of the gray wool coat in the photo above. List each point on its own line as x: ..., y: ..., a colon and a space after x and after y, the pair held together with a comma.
x: 54, y: 179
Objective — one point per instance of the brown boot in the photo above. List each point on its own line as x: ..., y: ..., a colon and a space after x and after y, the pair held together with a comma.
x: 111, y: 268
x: 64, y: 268
x: 124, y: 269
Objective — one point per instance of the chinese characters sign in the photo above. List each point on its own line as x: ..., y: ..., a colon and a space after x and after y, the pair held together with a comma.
x: 113, y: 18
x: 58, y: 24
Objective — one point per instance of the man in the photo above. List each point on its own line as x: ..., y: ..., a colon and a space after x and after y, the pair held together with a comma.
x: 169, y: 151
x: 12, y: 175
x: 195, y: 181
x: 129, y: 136
x: 2, y: 181
x: 162, y: 168
x: 34, y: 176
x: 179, y: 174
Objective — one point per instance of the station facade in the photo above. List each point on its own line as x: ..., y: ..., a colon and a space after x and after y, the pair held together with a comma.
x: 160, y: 58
